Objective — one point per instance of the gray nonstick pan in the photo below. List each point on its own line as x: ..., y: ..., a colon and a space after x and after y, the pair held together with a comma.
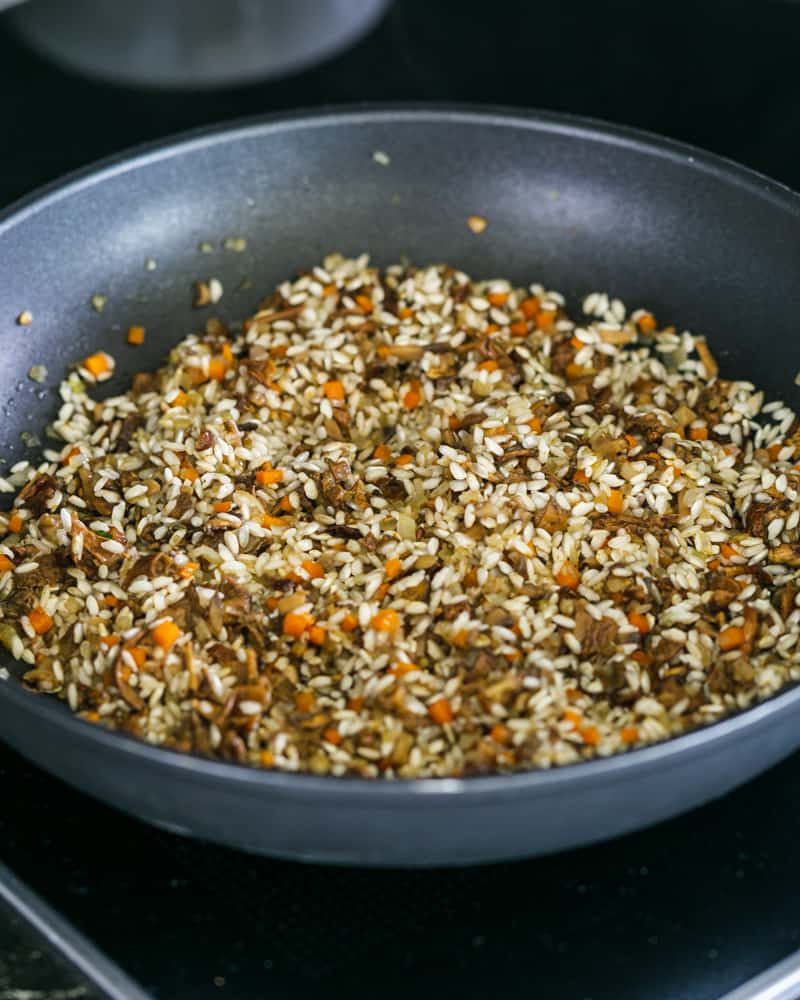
x: 580, y: 205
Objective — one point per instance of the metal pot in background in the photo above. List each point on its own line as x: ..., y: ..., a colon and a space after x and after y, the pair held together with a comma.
x: 190, y: 43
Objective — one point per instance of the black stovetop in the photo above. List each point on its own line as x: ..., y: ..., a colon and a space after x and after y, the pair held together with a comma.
x: 688, y: 909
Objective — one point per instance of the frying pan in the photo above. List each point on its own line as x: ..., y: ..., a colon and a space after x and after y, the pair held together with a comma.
x: 580, y: 205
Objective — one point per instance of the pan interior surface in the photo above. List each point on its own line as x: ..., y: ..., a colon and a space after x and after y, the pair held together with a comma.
x: 577, y: 206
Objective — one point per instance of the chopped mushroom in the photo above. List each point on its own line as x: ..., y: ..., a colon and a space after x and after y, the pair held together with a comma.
x: 399, y: 524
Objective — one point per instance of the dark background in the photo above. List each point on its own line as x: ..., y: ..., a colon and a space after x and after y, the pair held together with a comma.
x: 718, y: 73
x: 686, y: 910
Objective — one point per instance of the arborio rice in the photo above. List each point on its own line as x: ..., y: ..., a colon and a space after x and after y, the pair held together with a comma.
x: 404, y: 524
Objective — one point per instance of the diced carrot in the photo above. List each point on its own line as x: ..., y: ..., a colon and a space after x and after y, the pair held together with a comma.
x: 614, y: 501
x: 629, y: 734
x: 727, y: 551
x: 111, y: 601
x: 365, y: 303
x: 5, y: 564
x: 577, y: 343
x: 189, y: 473
x: 166, y: 633
x: 519, y: 328
x: 382, y: 452
x: 98, y: 364
x: 109, y: 640
x: 405, y: 312
x: 529, y: 307
x: 227, y: 355
x: 404, y: 459
x: 270, y: 521
x: 731, y: 638
x: 349, y: 622
x: 497, y: 298
x: 647, y: 322
x: 188, y: 570
x: 535, y: 425
x: 402, y: 668
x: 15, y: 523
x: 40, y: 621
x: 413, y: 397
x: 489, y: 366
x: 285, y: 503
x: 386, y: 620
x: 92, y: 716
x: 314, y: 569
x: 317, y: 635
x: 631, y: 441
x: 267, y: 476
x: 500, y: 733
x: 304, y: 701
x: 333, y: 389
x: 273, y: 602
x: 642, y: 657
x: 491, y: 328
x: 135, y: 335
x: 440, y: 711
x: 573, y: 716
x: 546, y: 319
x: 332, y: 735
x: 329, y: 290
x: 222, y: 506
x: 568, y: 576
x: 179, y: 399
x: 73, y: 451
x: 138, y: 655
x: 216, y: 369
x: 461, y: 638
x: 590, y: 735
x: 714, y: 565
x: 266, y: 758
x: 392, y: 567
x: 295, y: 623
x: 580, y: 477
x: 355, y: 704
x: 698, y: 433
x: 639, y: 622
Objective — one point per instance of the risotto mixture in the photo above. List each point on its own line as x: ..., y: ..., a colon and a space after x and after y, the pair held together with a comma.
x: 402, y: 524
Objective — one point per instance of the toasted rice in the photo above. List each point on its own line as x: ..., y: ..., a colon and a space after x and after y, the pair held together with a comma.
x: 402, y: 524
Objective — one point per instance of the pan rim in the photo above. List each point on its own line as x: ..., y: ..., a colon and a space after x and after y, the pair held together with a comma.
x: 51, y: 713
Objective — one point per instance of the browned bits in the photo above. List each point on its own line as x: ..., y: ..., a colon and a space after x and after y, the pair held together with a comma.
x: 405, y: 524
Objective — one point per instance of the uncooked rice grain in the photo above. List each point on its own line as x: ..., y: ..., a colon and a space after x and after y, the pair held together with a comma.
x: 403, y: 524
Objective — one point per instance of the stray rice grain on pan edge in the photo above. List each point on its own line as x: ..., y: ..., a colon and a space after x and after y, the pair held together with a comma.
x: 402, y: 524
